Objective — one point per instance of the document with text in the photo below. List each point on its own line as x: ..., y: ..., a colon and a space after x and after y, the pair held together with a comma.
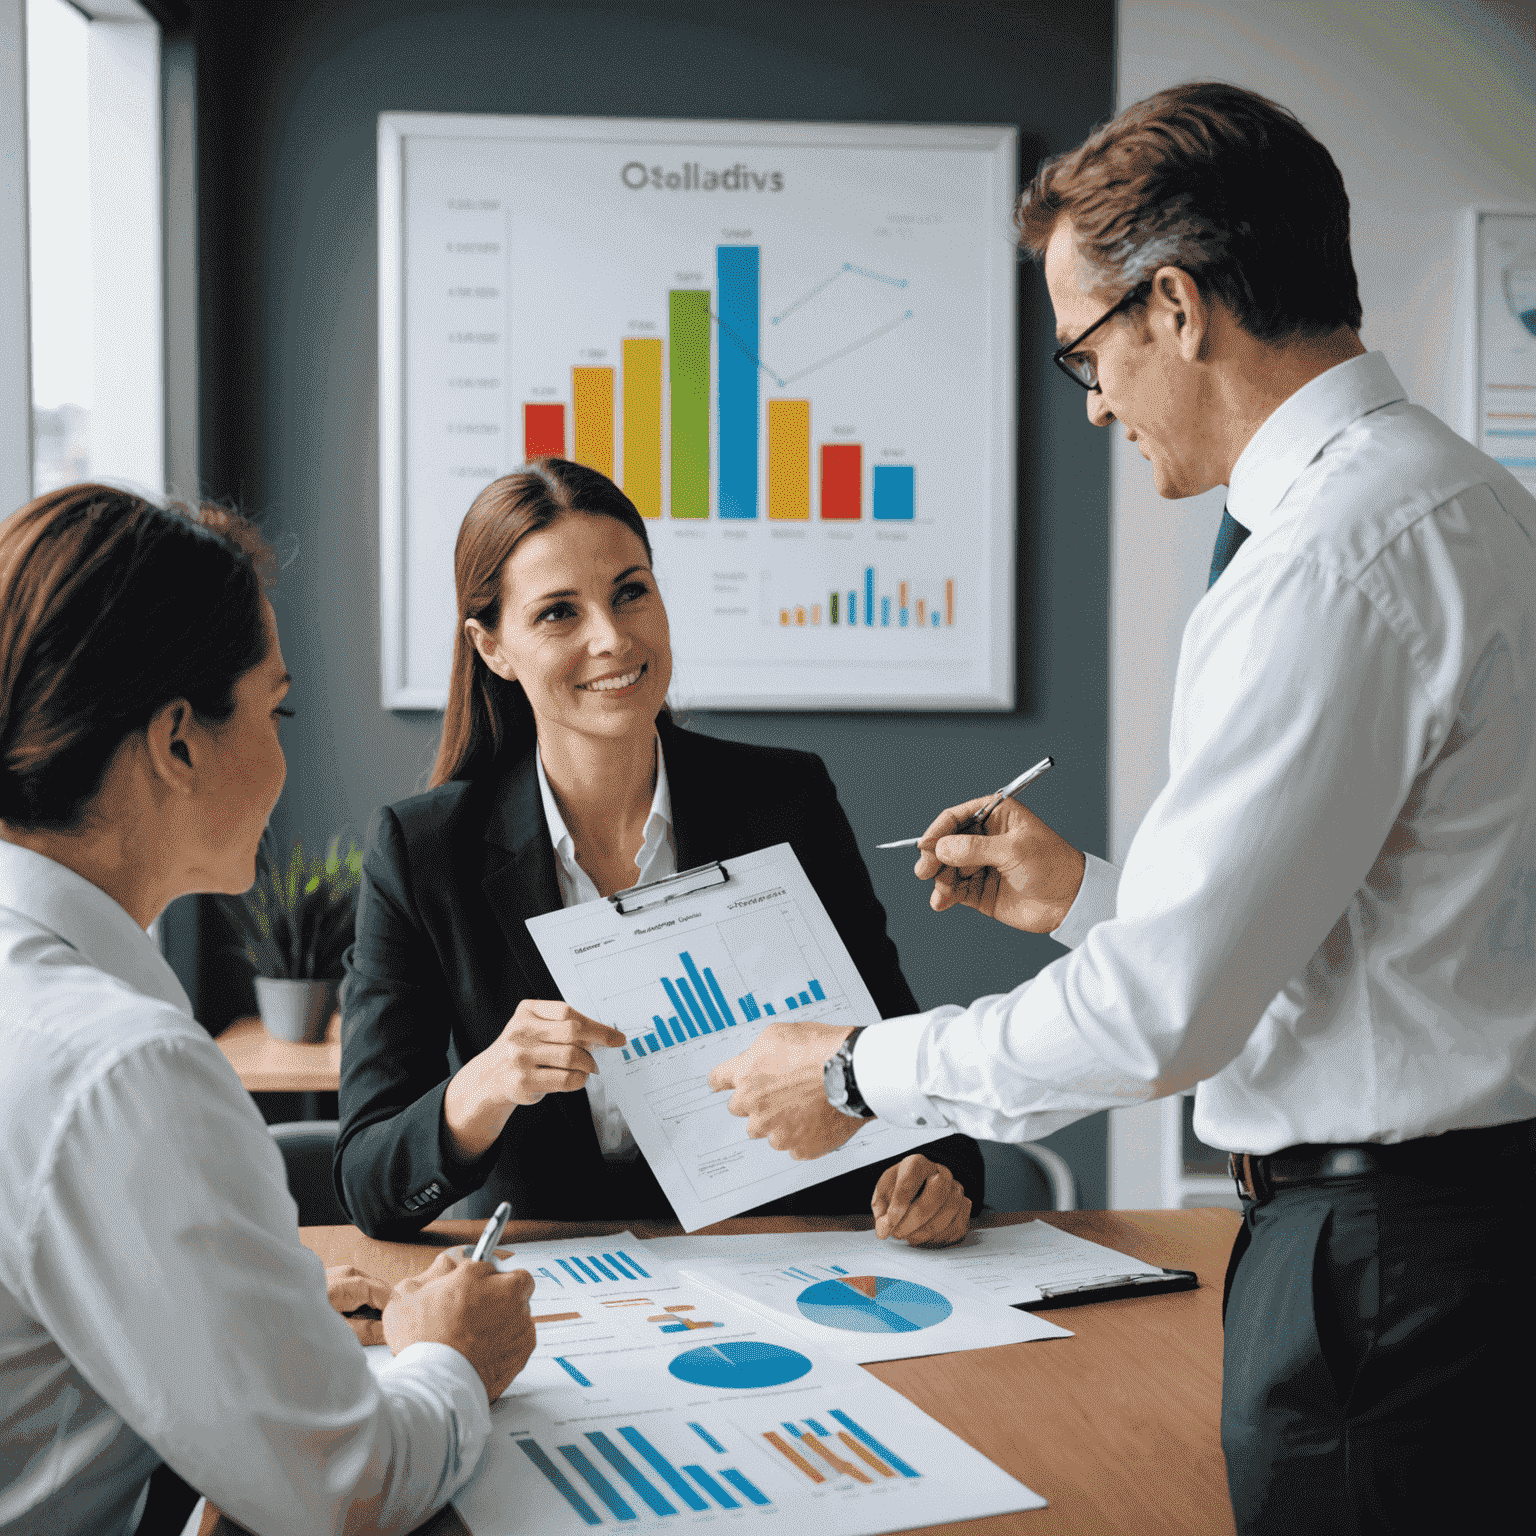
x: 692, y: 979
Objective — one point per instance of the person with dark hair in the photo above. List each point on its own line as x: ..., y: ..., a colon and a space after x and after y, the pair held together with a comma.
x: 162, y: 1328
x: 561, y: 777
x: 1326, y: 919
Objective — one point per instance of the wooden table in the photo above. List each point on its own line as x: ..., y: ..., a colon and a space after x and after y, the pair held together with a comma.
x: 268, y: 1065
x: 1119, y: 1427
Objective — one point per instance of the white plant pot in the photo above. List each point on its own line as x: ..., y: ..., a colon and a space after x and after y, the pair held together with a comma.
x: 296, y: 1011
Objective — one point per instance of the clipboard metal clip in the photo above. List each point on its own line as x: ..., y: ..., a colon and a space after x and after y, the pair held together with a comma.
x: 641, y: 898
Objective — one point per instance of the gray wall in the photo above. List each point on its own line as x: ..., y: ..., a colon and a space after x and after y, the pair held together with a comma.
x: 287, y: 116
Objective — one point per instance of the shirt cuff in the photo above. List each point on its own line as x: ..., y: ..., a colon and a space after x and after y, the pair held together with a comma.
x: 1093, y: 904
x: 885, y: 1066
x: 443, y: 1367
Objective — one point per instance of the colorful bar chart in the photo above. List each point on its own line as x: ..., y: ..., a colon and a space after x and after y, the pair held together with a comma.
x: 593, y: 1269
x: 750, y: 1006
x: 902, y: 609
x: 641, y: 359
x: 820, y: 1453
x: 543, y: 431
x: 737, y: 279
x: 592, y: 408
x: 699, y: 1008
x: 688, y: 377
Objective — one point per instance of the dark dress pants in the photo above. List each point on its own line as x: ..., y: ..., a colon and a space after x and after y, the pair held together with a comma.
x: 1380, y: 1358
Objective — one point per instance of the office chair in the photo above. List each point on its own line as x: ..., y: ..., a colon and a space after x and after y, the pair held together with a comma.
x: 307, y: 1147
x: 1022, y: 1176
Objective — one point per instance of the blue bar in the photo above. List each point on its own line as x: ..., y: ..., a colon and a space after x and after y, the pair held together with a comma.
x: 860, y: 1433
x: 816, y: 1428
x: 586, y: 1269
x: 653, y: 1042
x: 661, y: 1030
x: 933, y: 618
x: 693, y: 1007
x: 638, y: 1048
x: 895, y: 495
x: 600, y: 1484
x: 789, y: 1002
x: 816, y: 991
x: 664, y: 1468
x: 644, y: 1274
x: 768, y: 1008
x: 593, y: 1259
x: 571, y: 1371
x: 749, y: 1008
x: 693, y: 1034
x: 677, y: 1002
x: 853, y: 611
x: 571, y: 1272
x: 736, y: 284
x: 532, y: 1450
x: 714, y: 986
x: 837, y: 1269
x: 623, y: 1269
x: 732, y: 1476
x: 885, y: 612
x: 712, y: 1488
x: 869, y: 594
x: 901, y: 618
x: 701, y: 990
x: 706, y: 1437
x: 626, y: 1053
x: 630, y: 1473
x: 805, y: 999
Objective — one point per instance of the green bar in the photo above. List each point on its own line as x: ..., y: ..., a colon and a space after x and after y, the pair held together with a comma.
x: 689, y: 365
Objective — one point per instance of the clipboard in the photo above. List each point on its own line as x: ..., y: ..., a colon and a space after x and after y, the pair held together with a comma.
x: 657, y: 893
x: 1114, y: 1289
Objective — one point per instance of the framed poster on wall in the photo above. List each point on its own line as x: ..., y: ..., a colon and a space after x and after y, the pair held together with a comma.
x: 792, y: 345
x: 1501, y: 415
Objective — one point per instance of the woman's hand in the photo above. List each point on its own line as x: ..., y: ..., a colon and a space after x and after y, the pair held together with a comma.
x: 921, y: 1202
x: 348, y: 1289
x: 546, y: 1047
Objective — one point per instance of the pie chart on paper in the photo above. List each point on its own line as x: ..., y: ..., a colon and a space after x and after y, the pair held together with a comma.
x: 873, y: 1304
x: 741, y: 1364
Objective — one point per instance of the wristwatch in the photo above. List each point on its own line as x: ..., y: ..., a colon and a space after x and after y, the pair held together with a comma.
x: 842, y: 1088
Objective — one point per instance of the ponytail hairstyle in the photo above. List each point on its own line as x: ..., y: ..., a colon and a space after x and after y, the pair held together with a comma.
x: 110, y: 608
x: 488, y: 721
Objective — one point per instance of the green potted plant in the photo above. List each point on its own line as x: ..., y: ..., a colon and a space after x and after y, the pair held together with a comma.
x: 295, y: 924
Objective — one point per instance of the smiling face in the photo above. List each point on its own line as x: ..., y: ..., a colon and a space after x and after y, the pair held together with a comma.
x: 1149, y: 367
x: 583, y: 629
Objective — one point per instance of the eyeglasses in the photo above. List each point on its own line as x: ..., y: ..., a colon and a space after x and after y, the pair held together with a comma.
x: 1079, y: 366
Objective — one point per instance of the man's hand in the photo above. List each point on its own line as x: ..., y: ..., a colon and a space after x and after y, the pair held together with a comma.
x: 472, y: 1307
x: 347, y: 1289
x: 780, y: 1092
x: 922, y: 1202
x: 1020, y: 872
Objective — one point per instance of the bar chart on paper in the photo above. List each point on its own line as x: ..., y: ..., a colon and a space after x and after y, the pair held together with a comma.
x: 801, y: 374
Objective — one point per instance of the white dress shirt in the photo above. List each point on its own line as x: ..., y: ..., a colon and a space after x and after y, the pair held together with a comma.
x: 1328, y: 918
x: 656, y: 860
x: 155, y: 1299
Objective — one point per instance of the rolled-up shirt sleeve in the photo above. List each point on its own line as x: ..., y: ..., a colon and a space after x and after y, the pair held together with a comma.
x: 163, y: 1256
x: 1280, y: 798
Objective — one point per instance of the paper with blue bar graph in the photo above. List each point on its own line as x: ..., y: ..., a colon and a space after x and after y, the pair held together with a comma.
x: 652, y: 1400
x: 691, y: 984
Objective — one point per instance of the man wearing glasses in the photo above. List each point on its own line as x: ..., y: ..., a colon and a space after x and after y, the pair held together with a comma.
x: 1328, y: 918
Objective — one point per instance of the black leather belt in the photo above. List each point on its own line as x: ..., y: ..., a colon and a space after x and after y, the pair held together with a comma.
x: 1471, y: 1155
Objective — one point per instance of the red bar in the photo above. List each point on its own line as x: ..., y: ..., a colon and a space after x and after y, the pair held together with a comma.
x: 842, y: 480
x: 543, y: 431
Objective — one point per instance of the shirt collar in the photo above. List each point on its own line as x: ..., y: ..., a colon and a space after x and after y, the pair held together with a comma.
x: 88, y: 920
x: 1298, y: 430
x: 657, y: 823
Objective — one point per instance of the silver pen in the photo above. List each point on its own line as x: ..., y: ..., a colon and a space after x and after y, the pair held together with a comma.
x: 978, y: 819
x: 485, y: 1249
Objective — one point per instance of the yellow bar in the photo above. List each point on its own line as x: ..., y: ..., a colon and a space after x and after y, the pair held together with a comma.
x: 799, y: 615
x: 642, y: 423
x: 789, y: 459
x: 783, y: 615
x: 592, y: 395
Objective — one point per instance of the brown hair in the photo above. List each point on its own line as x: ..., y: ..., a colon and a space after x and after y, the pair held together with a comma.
x: 1219, y: 182
x: 111, y: 608
x: 488, y: 720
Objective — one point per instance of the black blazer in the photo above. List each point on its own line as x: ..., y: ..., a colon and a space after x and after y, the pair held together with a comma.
x: 442, y: 959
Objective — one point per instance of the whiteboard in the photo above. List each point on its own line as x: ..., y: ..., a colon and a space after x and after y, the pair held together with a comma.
x: 1502, y: 253
x: 793, y: 346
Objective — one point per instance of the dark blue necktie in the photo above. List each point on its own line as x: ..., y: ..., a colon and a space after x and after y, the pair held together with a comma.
x: 1229, y: 539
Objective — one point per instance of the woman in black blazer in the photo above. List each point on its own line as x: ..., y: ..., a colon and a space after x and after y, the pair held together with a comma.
x: 461, y: 1068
